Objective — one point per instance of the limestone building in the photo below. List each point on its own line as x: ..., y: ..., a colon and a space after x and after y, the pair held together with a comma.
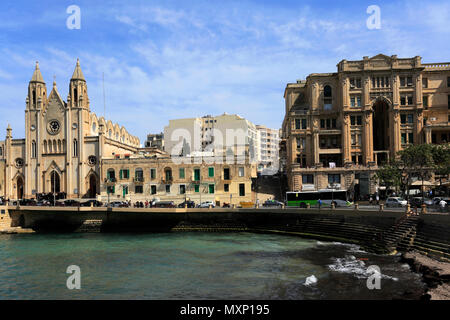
x: 63, y: 145
x: 269, y: 140
x: 68, y: 149
x: 338, y: 127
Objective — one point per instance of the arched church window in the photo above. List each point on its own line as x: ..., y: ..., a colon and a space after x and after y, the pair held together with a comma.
x: 45, y: 146
x: 110, y: 133
x: 59, y: 146
x: 94, y: 127
x: 75, y: 95
x: 54, y: 147
x: 33, y: 149
x: 1, y: 151
x: 75, y: 148
x: 49, y: 146
x: 34, y: 96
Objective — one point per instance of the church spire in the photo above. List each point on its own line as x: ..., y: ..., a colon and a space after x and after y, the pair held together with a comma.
x: 37, y: 76
x: 78, y: 74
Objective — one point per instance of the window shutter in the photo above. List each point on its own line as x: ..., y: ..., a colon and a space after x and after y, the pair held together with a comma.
x: 120, y: 174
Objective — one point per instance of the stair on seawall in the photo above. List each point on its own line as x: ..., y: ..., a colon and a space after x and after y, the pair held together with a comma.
x: 404, y: 228
x: 15, y: 230
x: 90, y: 226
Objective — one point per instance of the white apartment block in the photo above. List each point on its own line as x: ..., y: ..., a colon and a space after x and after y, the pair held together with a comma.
x: 269, y: 150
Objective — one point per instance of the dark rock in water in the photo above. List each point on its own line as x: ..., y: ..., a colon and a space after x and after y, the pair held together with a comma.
x: 436, y: 274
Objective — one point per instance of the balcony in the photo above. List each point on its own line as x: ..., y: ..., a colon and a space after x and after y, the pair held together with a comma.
x: 138, y: 180
x: 110, y: 181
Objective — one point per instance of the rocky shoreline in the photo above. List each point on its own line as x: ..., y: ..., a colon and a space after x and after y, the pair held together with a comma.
x: 436, y: 274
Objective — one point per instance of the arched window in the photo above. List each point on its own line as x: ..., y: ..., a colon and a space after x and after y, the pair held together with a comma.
x: 110, y: 133
x: 45, y: 146
x: 33, y: 149
x: 94, y: 128
x: 117, y: 136
x: 111, y: 175
x: 54, y: 147
x: 75, y: 95
x: 75, y: 148
x: 64, y: 145
x: 34, y: 97
x: 327, y: 98
x: 1, y: 151
x: 49, y: 146
x: 168, y: 174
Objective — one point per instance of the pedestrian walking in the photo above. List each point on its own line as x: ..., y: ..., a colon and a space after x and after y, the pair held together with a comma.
x: 378, y: 198
x: 442, y: 205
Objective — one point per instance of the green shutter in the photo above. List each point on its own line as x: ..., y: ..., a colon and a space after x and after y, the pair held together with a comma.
x: 211, y: 188
x: 196, y: 188
x: 196, y: 174
x: 120, y: 174
x: 211, y: 172
x: 181, y: 173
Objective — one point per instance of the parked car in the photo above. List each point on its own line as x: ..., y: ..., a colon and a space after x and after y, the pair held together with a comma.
x: 395, y: 202
x: 164, y: 204
x: 119, y: 204
x: 71, y: 203
x: 95, y: 203
x: 337, y: 203
x: 207, y: 204
x: 27, y: 202
x: 416, y: 201
x: 226, y: 205
x: 189, y: 203
x: 43, y: 203
x: 272, y: 203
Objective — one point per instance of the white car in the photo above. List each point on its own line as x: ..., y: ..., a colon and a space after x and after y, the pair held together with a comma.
x: 206, y: 204
x: 395, y: 202
x: 337, y: 203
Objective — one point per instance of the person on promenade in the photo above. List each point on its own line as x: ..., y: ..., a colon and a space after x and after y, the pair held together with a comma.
x: 442, y: 205
x: 320, y: 203
x: 370, y: 199
x: 378, y: 199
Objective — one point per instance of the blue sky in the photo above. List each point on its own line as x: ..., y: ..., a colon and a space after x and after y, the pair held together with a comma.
x: 170, y: 59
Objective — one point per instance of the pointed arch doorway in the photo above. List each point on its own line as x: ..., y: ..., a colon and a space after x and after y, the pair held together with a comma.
x: 92, y: 192
x: 19, y: 184
x: 55, y: 183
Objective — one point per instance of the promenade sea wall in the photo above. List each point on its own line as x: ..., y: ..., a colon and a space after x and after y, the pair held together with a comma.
x: 382, y: 232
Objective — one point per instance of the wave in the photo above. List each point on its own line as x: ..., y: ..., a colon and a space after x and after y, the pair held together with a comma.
x: 350, y: 264
x: 310, y: 280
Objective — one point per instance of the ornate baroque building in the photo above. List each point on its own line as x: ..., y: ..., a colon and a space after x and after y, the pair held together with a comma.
x: 340, y: 126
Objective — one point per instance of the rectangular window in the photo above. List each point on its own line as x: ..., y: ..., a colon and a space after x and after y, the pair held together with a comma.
x: 410, y: 138
x: 410, y: 118
x: 403, y: 138
x: 111, y: 189
x: 153, y: 173
x: 153, y: 189
x: 334, y: 178
x: 353, y: 101
x: 226, y: 173
x: 448, y: 102
x: 358, y: 101
x: 403, y: 118
x: 196, y: 174
x: 307, y: 179
x: 322, y: 123
x: 358, y: 82
x: 211, y: 188
x: 124, y: 174
x: 409, y: 81
x: 168, y: 188
x: 353, y: 140
x: 196, y: 188
x: 403, y: 100
x: 241, y: 171
x: 328, y: 123
x: 138, y: 189
x: 181, y: 171
x: 303, y: 123
x: 358, y: 120
x: 182, y: 189
x: 333, y: 123
x: 352, y: 120
x: 242, y: 189
x: 402, y: 82
x: 226, y: 187
x: 211, y: 172
x: 425, y: 83
x: 297, y: 124
x: 410, y: 100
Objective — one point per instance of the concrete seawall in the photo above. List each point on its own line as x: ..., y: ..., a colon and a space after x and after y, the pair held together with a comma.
x: 376, y: 231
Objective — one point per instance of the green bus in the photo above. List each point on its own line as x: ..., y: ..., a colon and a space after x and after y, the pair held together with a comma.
x: 327, y: 196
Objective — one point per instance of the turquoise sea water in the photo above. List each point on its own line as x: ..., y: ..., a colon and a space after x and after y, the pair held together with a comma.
x: 195, y: 266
